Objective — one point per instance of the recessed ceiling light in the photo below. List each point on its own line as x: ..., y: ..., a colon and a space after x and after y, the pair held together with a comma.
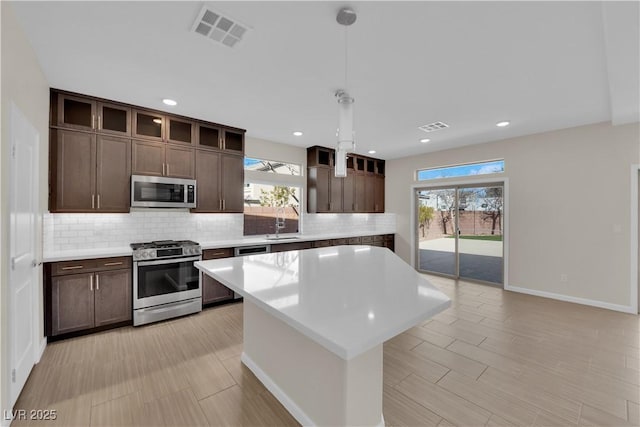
x: 157, y: 121
x: 169, y: 102
x: 425, y: 140
x: 502, y: 124
x: 372, y: 151
x: 297, y: 133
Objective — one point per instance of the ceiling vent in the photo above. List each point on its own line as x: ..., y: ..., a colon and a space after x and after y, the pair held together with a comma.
x: 432, y: 127
x: 219, y: 27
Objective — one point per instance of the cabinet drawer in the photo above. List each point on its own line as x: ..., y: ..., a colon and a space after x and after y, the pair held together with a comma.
x: 338, y: 242
x: 354, y: 240
x: 217, y: 253
x: 90, y: 265
x: 367, y: 239
x: 321, y: 243
x: 73, y: 267
x: 378, y: 238
x: 117, y: 263
x: 282, y: 247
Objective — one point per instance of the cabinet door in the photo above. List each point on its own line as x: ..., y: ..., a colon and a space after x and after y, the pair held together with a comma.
x: 348, y: 192
x: 76, y: 112
x: 181, y: 131
x: 232, y: 189
x: 209, y: 136
x: 360, y: 193
x: 233, y: 141
x: 378, y: 193
x: 208, y: 181
x: 148, y: 125
x: 180, y: 161
x: 113, y: 174
x: 335, y: 197
x: 318, y: 190
x: 369, y: 193
x: 114, y: 119
x: 147, y: 158
x: 214, y: 291
x: 112, y: 297
x: 72, y: 171
x: 72, y: 307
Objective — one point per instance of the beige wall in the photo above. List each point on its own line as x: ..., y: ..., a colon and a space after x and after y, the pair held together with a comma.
x: 568, y: 172
x: 24, y: 84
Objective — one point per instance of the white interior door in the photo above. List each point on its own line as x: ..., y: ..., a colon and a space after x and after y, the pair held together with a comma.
x: 22, y: 249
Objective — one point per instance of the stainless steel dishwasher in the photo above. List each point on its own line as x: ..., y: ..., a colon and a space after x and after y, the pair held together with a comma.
x: 250, y: 250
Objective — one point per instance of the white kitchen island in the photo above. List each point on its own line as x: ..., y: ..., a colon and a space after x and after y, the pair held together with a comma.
x: 315, y: 321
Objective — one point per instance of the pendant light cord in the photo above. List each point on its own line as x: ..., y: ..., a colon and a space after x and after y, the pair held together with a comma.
x: 346, y: 59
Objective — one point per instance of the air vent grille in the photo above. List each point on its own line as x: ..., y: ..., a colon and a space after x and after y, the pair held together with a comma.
x: 432, y: 127
x: 219, y: 27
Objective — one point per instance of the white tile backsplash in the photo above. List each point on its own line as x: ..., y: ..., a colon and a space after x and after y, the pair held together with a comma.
x: 90, y: 231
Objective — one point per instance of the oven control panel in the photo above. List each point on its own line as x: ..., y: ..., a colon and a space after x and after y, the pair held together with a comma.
x: 160, y: 253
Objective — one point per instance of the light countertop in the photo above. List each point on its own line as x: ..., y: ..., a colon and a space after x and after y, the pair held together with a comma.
x: 346, y: 298
x: 80, y: 253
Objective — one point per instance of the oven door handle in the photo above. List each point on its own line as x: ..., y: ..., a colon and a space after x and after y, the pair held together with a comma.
x: 167, y: 261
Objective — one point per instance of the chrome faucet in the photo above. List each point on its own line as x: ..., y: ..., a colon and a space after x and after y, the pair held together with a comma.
x: 279, y: 221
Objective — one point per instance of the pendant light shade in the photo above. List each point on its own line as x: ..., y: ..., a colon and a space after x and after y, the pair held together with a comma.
x: 345, y: 132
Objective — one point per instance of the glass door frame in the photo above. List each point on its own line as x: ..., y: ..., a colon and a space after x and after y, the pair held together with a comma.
x: 456, y: 185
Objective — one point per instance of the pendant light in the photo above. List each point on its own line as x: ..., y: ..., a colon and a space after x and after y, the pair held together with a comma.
x: 345, y: 134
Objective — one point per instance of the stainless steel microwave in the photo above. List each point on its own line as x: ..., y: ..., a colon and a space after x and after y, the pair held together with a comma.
x: 162, y: 192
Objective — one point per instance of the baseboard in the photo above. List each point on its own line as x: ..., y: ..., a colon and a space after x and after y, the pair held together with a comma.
x: 43, y: 346
x: 584, y: 301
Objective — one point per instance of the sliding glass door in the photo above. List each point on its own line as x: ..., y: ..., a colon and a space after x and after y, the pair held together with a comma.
x: 459, y: 231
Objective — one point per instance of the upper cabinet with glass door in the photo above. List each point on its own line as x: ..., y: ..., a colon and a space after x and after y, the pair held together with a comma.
x: 148, y: 125
x: 214, y: 137
x: 86, y: 114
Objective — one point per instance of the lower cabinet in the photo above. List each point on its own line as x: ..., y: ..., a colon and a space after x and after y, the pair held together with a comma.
x: 293, y: 246
x: 86, y: 294
x: 212, y: 290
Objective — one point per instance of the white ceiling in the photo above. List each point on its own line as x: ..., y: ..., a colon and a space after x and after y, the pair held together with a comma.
x: 541, y: 65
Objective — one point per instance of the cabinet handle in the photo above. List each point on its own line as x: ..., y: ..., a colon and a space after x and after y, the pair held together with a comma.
x: 75, y: 267
x: 98, y: 201
x: 109, y: 264
x: 97, y: 282
x: 163, y: 169
x: 91, y: 282
x: 224, y: 204
x: 218, y: 253
x: 93, y: 121
x: 167, y: 169
x: 99, y: 122
x: 93, y: 199
x: 220, y: 204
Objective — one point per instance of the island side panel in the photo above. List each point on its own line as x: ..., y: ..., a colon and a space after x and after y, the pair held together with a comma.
x: 314, y: 384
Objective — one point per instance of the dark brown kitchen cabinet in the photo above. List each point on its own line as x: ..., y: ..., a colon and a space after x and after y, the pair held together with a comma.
x: 220, y: 138
x: 220, y: 179
x: 233, y: 140
x: 88, y: 172
x: 293, y: 246
x: 362, y: 190
x: 80, y: 113
x: 232, y: 188
x: 86, y: 294
x: 161, y: 159
x: 324, y: 190
x: 212, y: 290
x: 148, y: 125
x: 180, y: 131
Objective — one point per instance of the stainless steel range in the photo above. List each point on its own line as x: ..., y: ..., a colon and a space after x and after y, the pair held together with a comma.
x: 165, y: 282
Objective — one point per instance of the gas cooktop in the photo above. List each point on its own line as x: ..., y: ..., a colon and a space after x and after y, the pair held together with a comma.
x: 161, y: 244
